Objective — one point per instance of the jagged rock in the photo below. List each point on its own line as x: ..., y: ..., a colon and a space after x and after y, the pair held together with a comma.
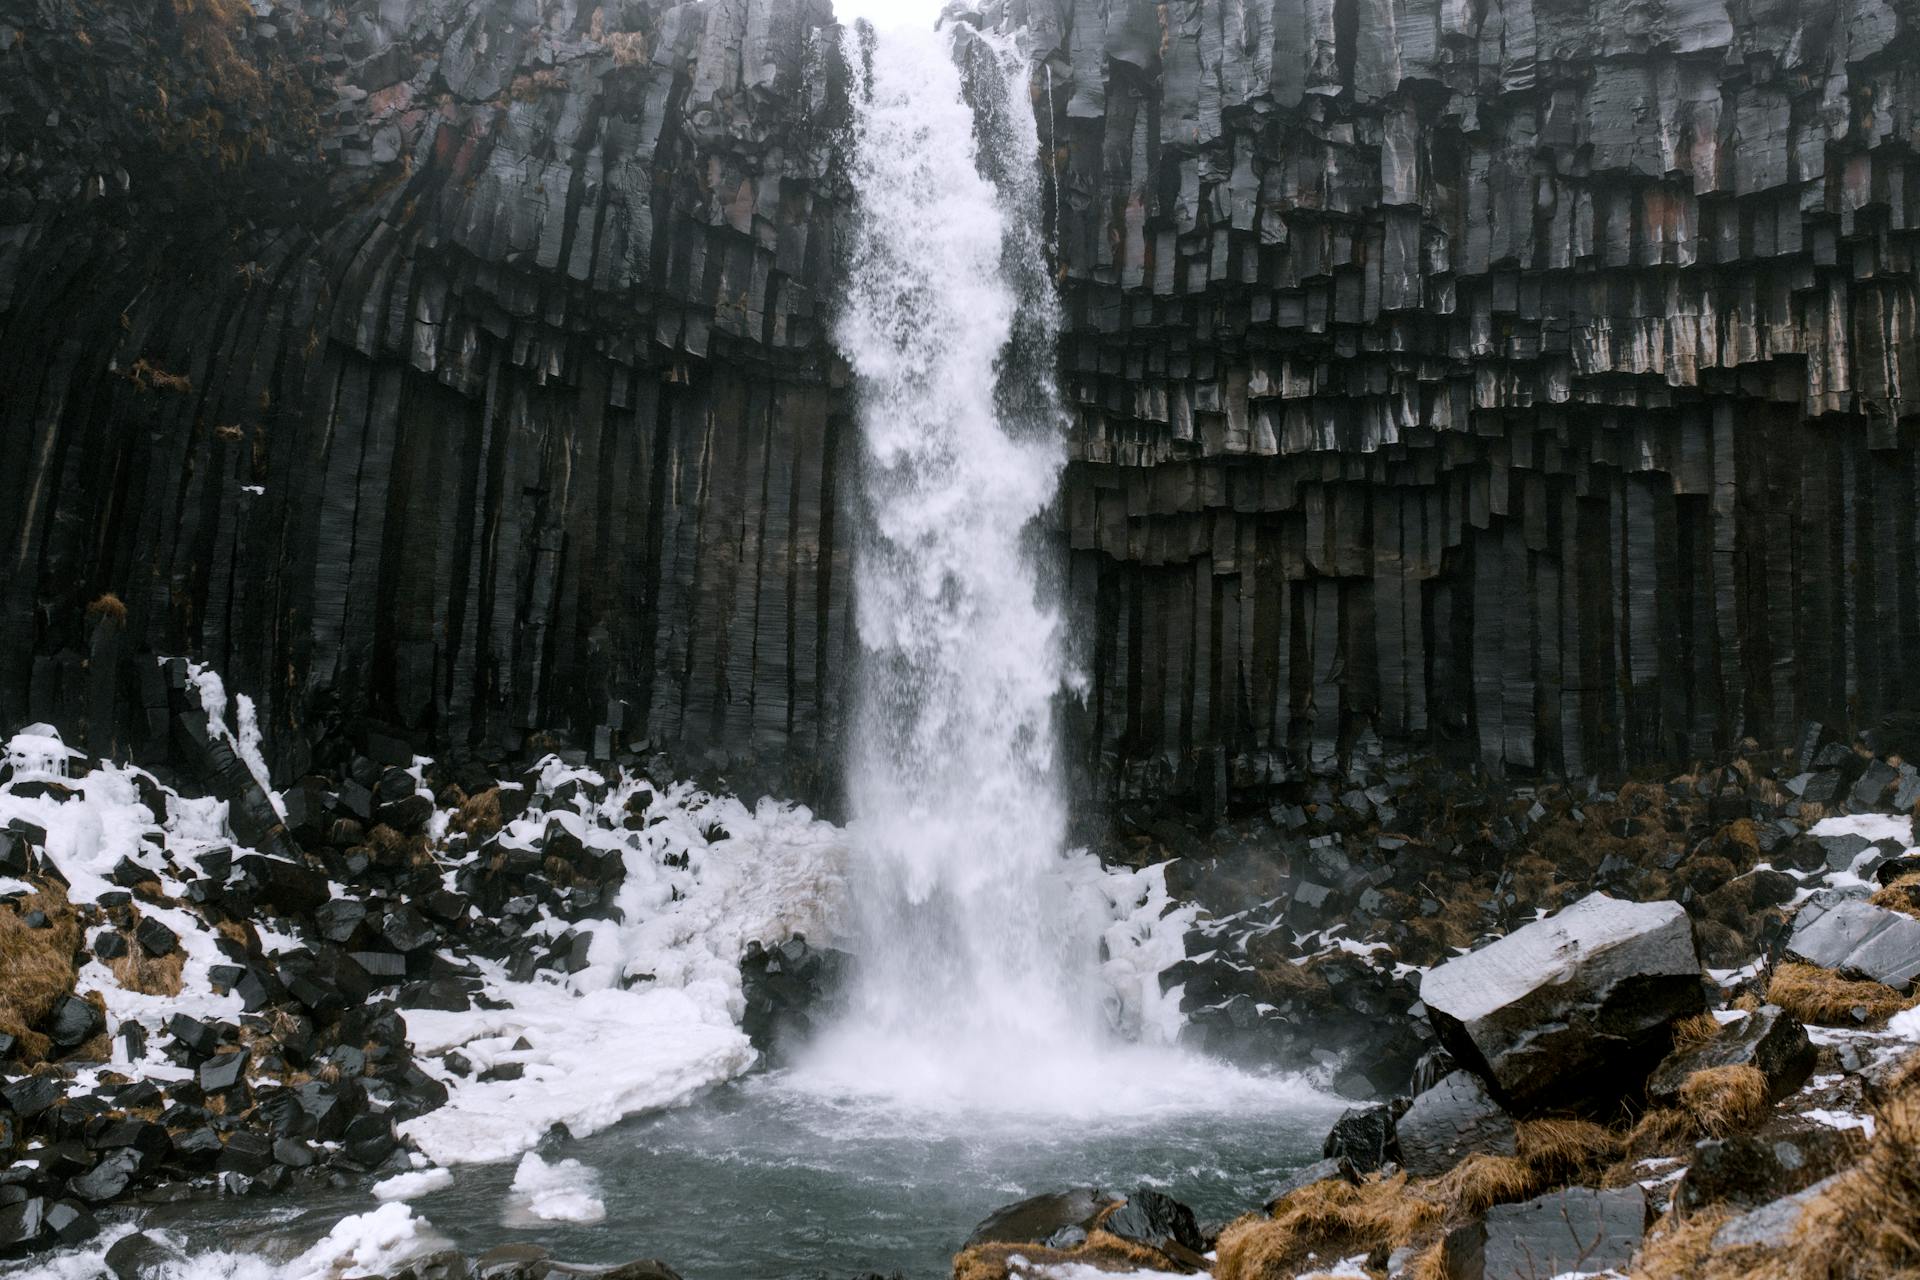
x: 787, y: 988
x: 155, y: 938
x: 1769, y: 1039
x: 108, y: 1179
x: 1572, y: 1008
x: 1364, y: 1137
x: 1156, y: 1220
x: 1574, y: 1230
x: 74, y: 1021
x: 135, y: 1256
x: 224, y: 1071
x: 1450, y: 1122
x: 287, y: 886
x: 1772, y: 1224
x: 1859, y: 938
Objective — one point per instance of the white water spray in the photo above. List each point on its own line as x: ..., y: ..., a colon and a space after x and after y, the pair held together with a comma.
x: 970, y: 934
x: 981, y: 982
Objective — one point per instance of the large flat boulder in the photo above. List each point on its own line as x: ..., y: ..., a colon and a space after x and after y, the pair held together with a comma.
x: 1572, y: 1009
x: 1041, y: 1218
x: 1860, y: 939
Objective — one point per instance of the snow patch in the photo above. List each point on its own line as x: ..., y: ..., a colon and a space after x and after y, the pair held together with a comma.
x: 653, y: 1018
x: 565, y: 1192
x: 411, y: 1186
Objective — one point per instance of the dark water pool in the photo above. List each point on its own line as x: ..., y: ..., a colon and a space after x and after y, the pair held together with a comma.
x: 766, y: 1180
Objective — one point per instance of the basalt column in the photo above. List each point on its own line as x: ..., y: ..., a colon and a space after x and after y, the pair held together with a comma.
x: 1528, y: 381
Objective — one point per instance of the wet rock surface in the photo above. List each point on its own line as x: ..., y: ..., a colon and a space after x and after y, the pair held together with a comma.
x: 1451, y: 1121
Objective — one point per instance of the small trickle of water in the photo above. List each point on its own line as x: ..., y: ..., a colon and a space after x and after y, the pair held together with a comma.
x: 973, y: 937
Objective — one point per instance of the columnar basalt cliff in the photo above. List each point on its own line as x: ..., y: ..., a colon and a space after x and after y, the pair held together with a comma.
x: 1524, y: 380
x: 1527, y: 379
x: 459, y: 364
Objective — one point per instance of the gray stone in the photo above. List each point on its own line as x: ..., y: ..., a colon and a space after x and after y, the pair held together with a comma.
x: 1450, y: 1122
x: 1572, y: 1008
x: 1037, y: 1218
x: 1859, y: 938
x: 1772, y: 1224
x: 1576, y: 1229
x: 1769, y: 1039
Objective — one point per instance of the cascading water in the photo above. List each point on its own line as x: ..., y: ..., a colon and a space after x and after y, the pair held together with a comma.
x: 970, y: 933
x: 998, y: 969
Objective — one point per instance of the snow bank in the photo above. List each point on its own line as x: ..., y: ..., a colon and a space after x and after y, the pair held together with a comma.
x: 565, y: 1192
x: 653, y: 1018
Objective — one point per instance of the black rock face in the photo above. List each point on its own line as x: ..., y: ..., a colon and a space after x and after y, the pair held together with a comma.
x: 1431, y: 384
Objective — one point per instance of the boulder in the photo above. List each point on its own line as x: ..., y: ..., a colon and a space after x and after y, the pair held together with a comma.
x: 1859, y: 939
x: 1772, y: 1224
x: 1769, y: 1039
x: 288, y: 887
x: 1156, y: 1220
x: 1787, y: 1155
x: 1450, y: 1122
x: 137, y: 1255
x: 1038, y: 1219
x: 155, y: 939
x: 1365, y: 1137
x: 109, y: 1179
x: 1576, y: 1229
x: 23, y: 1224
x: 74, y: 1021
x: 1572, y: 1009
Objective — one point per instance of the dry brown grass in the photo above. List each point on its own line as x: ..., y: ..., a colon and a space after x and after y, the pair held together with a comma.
x: 479, y: 815
x: 152, y: 975
x: 391, y: 849
x: 1335, y: 1219
x: 1726, y: 1100
x: 1695, y: 1032
x: 1866, y: 1226
x: 1902, y: 895
x: 110, y: 607
x: 1330, y: 1219
x: 36, y: 965
x: 1824, y: 998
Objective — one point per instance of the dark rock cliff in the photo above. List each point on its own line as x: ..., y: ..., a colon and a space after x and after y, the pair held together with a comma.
x: 1522, y: 378
x: 461, y: 363
x: 1529, y: 377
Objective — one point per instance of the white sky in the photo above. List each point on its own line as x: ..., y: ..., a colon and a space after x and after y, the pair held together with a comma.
x: 886, y: 13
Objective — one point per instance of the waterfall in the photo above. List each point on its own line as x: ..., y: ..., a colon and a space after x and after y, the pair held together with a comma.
x: 973, y: 936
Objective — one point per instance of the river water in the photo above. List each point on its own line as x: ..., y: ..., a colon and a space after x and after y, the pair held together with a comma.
x: 771, y: 1179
